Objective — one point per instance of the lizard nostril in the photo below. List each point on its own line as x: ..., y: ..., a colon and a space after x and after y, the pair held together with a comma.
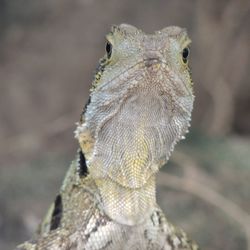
x: 151, y: 61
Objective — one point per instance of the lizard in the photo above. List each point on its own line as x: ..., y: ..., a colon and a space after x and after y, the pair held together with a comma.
x: 140, y: 106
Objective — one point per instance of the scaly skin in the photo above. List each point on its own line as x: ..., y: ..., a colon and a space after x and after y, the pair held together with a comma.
x: 140, y: 107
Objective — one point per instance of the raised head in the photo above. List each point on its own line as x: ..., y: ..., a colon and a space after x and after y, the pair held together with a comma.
x: 141, y: 103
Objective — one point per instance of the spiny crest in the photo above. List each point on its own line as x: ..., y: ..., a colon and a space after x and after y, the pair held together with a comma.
x: 103, y: 62
x: 125, y: 30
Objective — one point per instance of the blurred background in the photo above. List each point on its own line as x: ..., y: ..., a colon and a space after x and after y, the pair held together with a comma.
x: 48, y: 52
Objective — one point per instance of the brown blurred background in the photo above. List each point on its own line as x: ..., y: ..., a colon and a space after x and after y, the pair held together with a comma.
x: 48, y: 52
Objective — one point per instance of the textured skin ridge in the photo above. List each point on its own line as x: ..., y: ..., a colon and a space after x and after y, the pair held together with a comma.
x: 139, y: 108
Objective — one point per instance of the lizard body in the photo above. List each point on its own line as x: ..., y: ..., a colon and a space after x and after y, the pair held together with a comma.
x: 139, y: 108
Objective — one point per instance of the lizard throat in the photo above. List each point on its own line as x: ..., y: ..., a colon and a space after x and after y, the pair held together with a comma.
x: 135, y: 140
x: 127, y: 205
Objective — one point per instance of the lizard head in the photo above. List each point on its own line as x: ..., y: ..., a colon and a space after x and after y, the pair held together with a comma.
x: 128, y: 48
x: 141, y: 102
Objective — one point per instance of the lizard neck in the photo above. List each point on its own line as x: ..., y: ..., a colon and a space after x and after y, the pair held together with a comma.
x: 126, y: 198
x: 129, y: 206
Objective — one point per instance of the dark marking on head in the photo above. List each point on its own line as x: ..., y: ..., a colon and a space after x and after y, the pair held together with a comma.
x: 57, y: 213
x: 83, y: 169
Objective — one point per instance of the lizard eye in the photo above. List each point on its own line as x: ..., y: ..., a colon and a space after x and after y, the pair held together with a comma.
x: 109, y: 49
x: 185, y: 54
